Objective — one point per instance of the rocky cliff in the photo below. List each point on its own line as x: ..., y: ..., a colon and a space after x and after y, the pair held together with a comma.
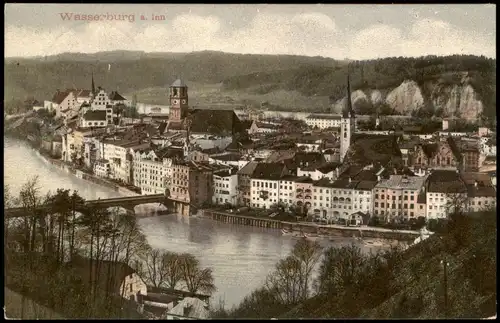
x: 459, y: 100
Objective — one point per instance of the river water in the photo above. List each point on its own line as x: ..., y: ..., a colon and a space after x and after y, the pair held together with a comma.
x: 240, y: 256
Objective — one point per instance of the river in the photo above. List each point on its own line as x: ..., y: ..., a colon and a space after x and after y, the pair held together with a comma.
x: 240, y: 256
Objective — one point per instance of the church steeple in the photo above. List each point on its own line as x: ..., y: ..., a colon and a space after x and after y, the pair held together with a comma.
x: 93, y: 85
x: 348, y: 111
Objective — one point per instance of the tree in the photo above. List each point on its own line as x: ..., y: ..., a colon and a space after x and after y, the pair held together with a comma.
x: 339, y: 270
x: 308, y: 254
x: 163, y: 269
x: 194, y: 277
x: 285, y: 283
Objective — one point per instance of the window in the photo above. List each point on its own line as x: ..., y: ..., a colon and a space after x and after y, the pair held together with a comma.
x: 131, y: 288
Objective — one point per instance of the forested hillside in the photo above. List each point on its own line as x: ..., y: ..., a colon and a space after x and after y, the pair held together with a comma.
x: 463, y: 86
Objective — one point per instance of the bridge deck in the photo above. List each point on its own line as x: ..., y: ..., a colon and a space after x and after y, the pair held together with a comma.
x: 117, y: 201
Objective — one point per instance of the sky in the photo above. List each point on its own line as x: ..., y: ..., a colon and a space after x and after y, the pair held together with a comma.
x: 337, y: 31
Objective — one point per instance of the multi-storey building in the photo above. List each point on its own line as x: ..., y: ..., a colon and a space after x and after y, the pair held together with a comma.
x: 397, y: 196
x: 245, y: 182
x: 225, y: 186
x: 265, y: 184
x: 287, y: 191
x: 481, y: 192
x: 304, y: 193
x: 446, y: 193
x: 192, y: 182
x: 323, y: 121
x: 439, y: 155
x: 152, y: 169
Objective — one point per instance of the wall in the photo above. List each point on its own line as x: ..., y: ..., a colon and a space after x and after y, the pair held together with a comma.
x: 138, y: 285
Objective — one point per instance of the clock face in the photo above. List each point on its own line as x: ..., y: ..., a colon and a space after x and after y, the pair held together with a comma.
x: 183, y: 101
x: 175, y: 101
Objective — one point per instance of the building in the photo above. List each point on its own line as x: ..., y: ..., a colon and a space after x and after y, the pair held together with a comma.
x: 228, y: 159
x: 83, y: 96
x: 397, y: 197
x: 287, y: 191
x: 317, y: 172
x: 114, y: 278
x: 445, y: 193
x: 245, y: 182
x: 101, y: 102
x: 152, y: 169
x: 261, y: 127
x: 115, y: 98
x: 481, y: 192
x: 102, y: 168
x: 179, y: 103
x: 94, y: 119
x: 438, y: 155
x: 265, y: 182
x: 488, y: 146
x: 225, y: 186
x: 323, y: 121
x: 62, y: 102
x: 347, y: 125
x: 192, y: 182
x: 303, y: 193
x: 117, y: 152
x: 309, y: 144
x: 189, y: 308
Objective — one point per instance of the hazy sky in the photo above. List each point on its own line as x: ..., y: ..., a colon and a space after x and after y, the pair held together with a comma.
x: 337, y: 31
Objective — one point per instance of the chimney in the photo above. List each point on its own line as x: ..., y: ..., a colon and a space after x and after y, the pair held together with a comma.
x: 350, y: 179
x: 475, y: 184
x: 337, y: 171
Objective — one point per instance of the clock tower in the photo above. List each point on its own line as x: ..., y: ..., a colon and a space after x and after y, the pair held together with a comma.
x: 178, y: 101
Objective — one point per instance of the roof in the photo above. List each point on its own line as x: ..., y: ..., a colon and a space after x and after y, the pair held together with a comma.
x: 59, y: 96
x: 83, y: 93
x: 227, y: 157
x: 178, y: 83
x: 445, y: 181
x: 112, y: 273
x: 190, y: 307
x: 402, y: 182
x: 115, y: 96
x: 248, y: 169
x: 97, y: 115
x: 348, y: 111
x: 263, y: 125
x: 324, y: 117
x: 269, y: 171
x: 217, y: 122
x: 478, y: 184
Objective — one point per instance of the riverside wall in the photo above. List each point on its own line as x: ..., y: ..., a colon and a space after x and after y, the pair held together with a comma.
x: 312, y: 228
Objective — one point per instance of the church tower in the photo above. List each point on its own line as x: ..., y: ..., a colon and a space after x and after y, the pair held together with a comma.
x: 178, y: 101
x: 347, y: 124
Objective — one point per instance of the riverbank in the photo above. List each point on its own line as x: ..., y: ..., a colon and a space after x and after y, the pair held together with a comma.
x: 332, y: 231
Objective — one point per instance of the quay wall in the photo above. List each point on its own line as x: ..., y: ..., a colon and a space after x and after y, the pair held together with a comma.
x: 312, y: 228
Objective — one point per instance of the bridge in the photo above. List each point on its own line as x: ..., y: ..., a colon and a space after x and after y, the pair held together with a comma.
x: 128, y: 203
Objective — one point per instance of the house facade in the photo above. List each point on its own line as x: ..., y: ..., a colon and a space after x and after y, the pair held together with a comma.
x: 225, y: 187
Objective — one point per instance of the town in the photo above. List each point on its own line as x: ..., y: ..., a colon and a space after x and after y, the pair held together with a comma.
x: 324, y: 167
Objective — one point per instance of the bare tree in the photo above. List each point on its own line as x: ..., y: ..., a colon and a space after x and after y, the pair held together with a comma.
x: 196, y: 278
x: 285, y: 283
x: 152, y: 269
x: 308, y: 254
x: 171, y: 262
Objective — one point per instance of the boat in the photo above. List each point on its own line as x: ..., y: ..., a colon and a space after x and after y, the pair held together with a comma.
x: 285, y: 232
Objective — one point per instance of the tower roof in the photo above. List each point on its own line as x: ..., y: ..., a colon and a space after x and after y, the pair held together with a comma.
x: 348, y: 111
x: 179, y: 83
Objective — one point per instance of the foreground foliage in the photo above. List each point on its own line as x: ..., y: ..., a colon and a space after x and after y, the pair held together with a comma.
x: 397, y: 283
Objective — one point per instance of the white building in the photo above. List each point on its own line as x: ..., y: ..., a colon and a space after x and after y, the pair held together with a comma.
x: 115, y: 98
x: 94, y: 119
x: 225, y: 187
x: 309, y: 144
x: 62, y: 102
x: 265, y: 183
x: 322, y: 199
x: 329, y: 171
x: 287, y: 191
x: 102, y: 168
x: 228, y: 159
x: 261, y: 127
x: 117, y: 152
x: 152, y: 170
x: 83, y: 96
x: 101, y: 102
x: 481, y: 192
x: 488, y: 146
x: 445, y: 190
x: 323, y: 121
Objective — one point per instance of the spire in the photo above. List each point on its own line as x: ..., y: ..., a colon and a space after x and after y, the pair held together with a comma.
x: 93, y: 85
x: 348, y: 111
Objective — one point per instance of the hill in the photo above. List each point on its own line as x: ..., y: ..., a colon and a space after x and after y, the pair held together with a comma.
x: 400, y: 283
x: 459, y: 85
